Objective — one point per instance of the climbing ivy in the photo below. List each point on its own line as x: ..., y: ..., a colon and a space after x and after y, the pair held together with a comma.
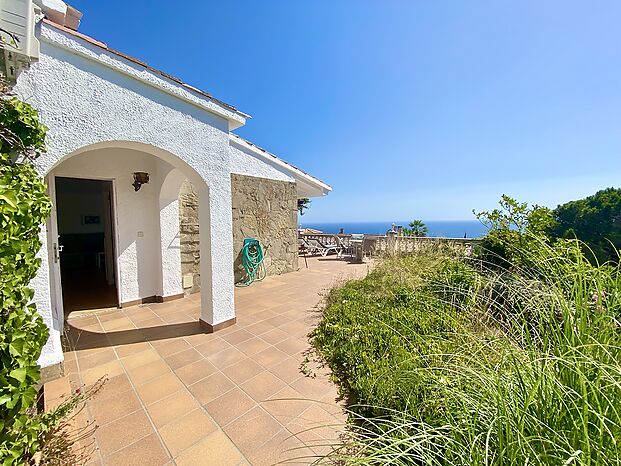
x: 24, y: 207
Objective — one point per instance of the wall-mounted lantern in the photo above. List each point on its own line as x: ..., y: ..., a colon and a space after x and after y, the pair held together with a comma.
x: 140, y: 178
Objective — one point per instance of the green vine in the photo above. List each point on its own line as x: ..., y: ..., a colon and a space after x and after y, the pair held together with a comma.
x: 24, y: 207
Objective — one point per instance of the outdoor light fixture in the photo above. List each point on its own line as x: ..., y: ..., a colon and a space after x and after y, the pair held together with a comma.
x: 140, y: 178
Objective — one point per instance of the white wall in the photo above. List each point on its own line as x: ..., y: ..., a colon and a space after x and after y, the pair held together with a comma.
x: 244, y: 162
x: 90, y: 98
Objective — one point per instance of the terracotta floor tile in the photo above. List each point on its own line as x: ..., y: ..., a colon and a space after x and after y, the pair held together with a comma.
x: 312, y: 388
x: 211, y: 387
x: 237, y: 336
x: 196, y: 371
x: 158, y: 388
x: 83, y: 342
x: 226, y: 357
x: 286, y: 404
x: 198, y: 339
x: 151, y: 323
x: 172, y: 407
x: 263, y: 386
x: 214, y: 345
x: 230, y: 406
x: 171, y: 346
x: 99, y: 358
x: 283, y: 448
x: 109, y: 370
x: 274, y: 336
x: 88, y: 350
x: 186, y: 431
x: 140, y: 359
x: 111, y: 314
x: 138, y: 312
x: 178, y: 360
x: 243, y: 370
x: 215, y: 450
x: 122, y: 432
x: 148, y: 451
x: 252, y: 430
x: 315, y: 426
x: 113, y: 387
x: 266, y: 314
x: 111, y: 409
x: 124, y: 351
x: 270, y: 357
x: 287, y: 370
x: 56, y: 391
x: 143, y: 374
x: 72, y: 371
x: 125, y: 337
x: 293, y: 345
x: 176, y: 317
x: 301, y: 329
x: 121, y: 323
x: 252, y: 346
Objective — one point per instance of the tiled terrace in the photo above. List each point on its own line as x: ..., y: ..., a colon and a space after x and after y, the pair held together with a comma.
x: 179, y: 396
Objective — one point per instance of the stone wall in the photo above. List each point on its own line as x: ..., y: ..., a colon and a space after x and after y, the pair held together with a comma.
x: 266, y: 210
x: 262, y: 208
x: 188, y: 230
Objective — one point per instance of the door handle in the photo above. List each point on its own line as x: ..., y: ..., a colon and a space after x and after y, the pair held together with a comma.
x: 57, y: 250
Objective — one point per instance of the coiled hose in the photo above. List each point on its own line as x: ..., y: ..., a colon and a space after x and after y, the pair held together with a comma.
x: 252, y: 260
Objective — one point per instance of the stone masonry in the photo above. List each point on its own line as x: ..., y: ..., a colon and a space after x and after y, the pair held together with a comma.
x: 263, y: 209
x: 188, y: 230
x: 266, y: 210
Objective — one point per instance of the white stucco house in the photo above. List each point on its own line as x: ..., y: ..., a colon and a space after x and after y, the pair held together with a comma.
x: 113, y: 120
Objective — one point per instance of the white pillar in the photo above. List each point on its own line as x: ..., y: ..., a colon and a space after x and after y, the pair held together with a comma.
x: 216, y: 249
x: 170, y: 247
x: 170, y: 242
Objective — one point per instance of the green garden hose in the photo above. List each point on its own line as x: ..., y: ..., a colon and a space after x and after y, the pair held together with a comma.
x: 252, y: 260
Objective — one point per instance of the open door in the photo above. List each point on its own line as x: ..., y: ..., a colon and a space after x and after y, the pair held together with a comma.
x: 85, y: 244
x: 56, y: 289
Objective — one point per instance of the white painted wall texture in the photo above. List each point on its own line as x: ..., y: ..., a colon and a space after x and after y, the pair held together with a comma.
x: 244, y: 162
x: 91, y: 99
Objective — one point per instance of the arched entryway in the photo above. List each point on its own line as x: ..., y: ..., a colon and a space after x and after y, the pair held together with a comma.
x: 138, y: 248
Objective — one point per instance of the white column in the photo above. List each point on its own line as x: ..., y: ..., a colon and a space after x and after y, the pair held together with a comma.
x: 216, y: 249
x: 170, y: 247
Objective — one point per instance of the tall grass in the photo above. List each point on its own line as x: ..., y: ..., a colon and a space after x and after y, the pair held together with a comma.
x: 449, y: 361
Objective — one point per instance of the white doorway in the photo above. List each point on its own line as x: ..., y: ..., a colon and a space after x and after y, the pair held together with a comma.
x: 85, y: 247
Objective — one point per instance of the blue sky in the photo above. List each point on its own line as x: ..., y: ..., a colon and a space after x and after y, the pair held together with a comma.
x: 409, y: 109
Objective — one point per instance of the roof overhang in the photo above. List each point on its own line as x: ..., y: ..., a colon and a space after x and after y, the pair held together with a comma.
x: 307, y: 185
x: 92, y: 49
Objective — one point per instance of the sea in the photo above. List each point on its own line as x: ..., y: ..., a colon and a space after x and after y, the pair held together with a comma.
x: 441, y: 228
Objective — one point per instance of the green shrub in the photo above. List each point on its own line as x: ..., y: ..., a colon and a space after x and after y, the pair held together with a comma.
x: 24, y: 207
x: 596, y: 221
x: 511, y: 231
x: 453, y: 362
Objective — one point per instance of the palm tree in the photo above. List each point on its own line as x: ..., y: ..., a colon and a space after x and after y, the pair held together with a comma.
x: 303, y: 204
x: 417, y: 228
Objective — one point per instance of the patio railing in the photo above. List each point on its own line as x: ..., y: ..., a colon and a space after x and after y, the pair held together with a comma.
x: 382, y: 245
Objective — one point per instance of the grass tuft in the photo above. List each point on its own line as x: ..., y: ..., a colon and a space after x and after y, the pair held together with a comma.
x: 451, y: 361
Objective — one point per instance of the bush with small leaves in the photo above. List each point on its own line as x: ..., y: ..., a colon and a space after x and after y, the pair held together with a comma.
x: 24, y: 207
